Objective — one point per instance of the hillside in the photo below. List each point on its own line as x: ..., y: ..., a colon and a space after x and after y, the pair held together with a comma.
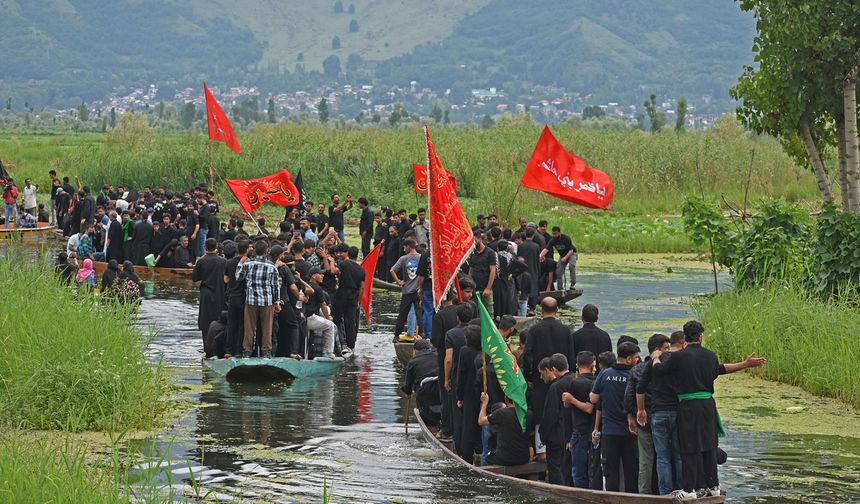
x: 57, y: 52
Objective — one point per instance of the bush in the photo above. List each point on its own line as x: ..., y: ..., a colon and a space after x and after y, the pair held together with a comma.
x: 68, y: 360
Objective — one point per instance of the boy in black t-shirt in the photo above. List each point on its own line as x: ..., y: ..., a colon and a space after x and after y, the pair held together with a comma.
x: 513, y: 445
x: 582, y: 417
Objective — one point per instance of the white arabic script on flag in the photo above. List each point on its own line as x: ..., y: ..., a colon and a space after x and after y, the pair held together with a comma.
x: 568, y: 183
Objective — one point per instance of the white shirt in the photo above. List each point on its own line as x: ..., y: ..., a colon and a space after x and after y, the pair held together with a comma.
x: 74, y: 241
x: 30, y: 197
x: 121, y: 206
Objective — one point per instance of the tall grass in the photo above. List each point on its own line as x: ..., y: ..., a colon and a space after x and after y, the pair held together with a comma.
x: 808, y: 342
x: 652, y: 173
x: 67, y: 360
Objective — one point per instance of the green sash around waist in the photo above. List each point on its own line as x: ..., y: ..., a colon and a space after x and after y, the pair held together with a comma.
x: 695, y: 396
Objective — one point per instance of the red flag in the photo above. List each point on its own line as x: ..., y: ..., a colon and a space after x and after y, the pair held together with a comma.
x: 219, y: 126
x: 419, y: 175
x: 556, y: 171
x: 277, y: 188
x: 451, y: 238
x: 368, y: 264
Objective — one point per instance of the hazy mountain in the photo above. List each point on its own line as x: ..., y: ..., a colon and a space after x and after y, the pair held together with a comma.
x: 61, y: 51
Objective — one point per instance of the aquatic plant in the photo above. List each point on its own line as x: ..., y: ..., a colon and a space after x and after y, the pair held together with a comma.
x: 69, y: 360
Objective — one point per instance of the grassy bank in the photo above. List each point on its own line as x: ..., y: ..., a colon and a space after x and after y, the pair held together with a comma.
x: 807, y: 342
x: 68, y: 363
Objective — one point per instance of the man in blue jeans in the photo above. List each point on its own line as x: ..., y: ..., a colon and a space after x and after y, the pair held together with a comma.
x: 663, y: 411
x: 425, y: 281
x: 582, y: 417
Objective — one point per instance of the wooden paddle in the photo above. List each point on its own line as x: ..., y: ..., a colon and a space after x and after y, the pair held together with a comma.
x: 408, y: 409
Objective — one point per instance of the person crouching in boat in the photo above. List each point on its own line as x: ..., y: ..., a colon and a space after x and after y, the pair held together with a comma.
x: 513, y: 444
x: 422, y: 378
x: 318, y: 314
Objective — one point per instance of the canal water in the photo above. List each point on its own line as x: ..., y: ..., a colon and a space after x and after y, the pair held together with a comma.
x: 286, y: 442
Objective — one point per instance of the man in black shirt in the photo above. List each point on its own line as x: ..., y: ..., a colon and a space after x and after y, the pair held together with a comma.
x: 555, y: 424
x: 345, y: 304
x: 335, y: 213
x: 513, y: 446
x: 365, y: 225
x: 455, y: 339
x: 422, y: 378
x: 482, y: 269
x: 693, y: 371
x: 235, y: 294
x: 582, y: 419
x: 425, y: 292
x: 566, y: 257
x: 322, y: 220
x: 589, y: 337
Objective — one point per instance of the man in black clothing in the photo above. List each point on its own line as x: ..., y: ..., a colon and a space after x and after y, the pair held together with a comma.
x: 555, y: 424
x: 455, y: 339
x: 589, y: 337
x: 235, y: 294
x: 547, y: 337
x: 482, y: 269
x: 513, y: 446
x: 422, y: 378
x: 530, y: 252
x: 443, y: 321
x: 87, y: 205
x: 693, y: 371
x: 209, y: 271
x: 335, y: 214
x: 349, y: 285
x: 582, y: 452
x: 566, y: 257
x: 142, y: 245
x: 365, y: 225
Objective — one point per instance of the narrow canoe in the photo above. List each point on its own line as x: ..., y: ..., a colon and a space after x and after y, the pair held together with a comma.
x: 276, y: 368
x: 575, y: 494
x: 147, y: 272
x: 562, y: 296
x: 382, y: 284
x: 403, y: 351
x: 41, y: 229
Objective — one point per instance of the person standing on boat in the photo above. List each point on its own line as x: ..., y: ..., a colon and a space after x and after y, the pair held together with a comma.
x: 529, y: 251
x: 582, y: 419
x: 142, y: 242
x: 262, y: 298
x: 30, y: 190
x: 617, y: 442
x: 566, y: 257
x: 336, y: 211
x: 236, y: 294
x: 365, y: 225
x: 483, y: 267
x: 10, y: 198
x: 589, y: 337
x: 455, y: 339
x: 555, y: 424
x: 547, y: 337
x: 209, y: 271
x: 693, y: 371
x: 350, y: 281
x: 468, y: 394
x: 405, y: 274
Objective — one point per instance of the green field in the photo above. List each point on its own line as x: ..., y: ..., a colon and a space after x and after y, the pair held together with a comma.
x: 652, y: 173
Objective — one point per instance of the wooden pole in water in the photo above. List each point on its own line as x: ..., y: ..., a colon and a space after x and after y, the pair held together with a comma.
x: 710, y: 240
x: 408, y: 410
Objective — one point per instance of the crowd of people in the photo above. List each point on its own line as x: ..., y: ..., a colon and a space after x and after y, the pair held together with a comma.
x: 25, y: 213
x: 599, y: 419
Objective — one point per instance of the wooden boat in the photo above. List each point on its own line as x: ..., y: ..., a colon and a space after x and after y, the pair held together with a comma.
x: 382, y: 284
x: 515, y: 475
x: 41, y: 229
x: 147, y: 272
x: 562, y: 296
x: 276, y: 368
x: 403, y: 349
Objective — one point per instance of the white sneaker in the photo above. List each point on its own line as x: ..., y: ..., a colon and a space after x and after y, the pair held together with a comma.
x: 681, y: 495
x: 713, y: 491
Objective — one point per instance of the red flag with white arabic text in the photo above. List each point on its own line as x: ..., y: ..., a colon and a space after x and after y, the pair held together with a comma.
x: 219, y: 126
x: 368, y: 264
x: 419, y: 175
x: 556, y: 171
x: 451, y: 238
x: 277, y: 188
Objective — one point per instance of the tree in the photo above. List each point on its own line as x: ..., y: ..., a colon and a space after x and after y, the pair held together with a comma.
x: 353, y: 62
x: 335, y: 42
x: 353, y: 26
x: 331, y: 66
x: 83, y: 112
x: 351, y: 9
x: 338, y: 7
x: 9, y: 104
x: 300, y: 57
x: 681, y: 121
x: 376, y: 118
x: 397, y: 115
x: 593, y: 112
x: 104, y: 124
x: 112, y: 117
x: 656, y: 117
x: 322, y: 109
x: 436, y: 114
x: 446, y: 119
x: 187, y: 115
x: 359, y: 117
x: 804, y: 86
x: 487, y: 122
x: 270, y: 111
x: 160, y: 109
x: 640, y: 121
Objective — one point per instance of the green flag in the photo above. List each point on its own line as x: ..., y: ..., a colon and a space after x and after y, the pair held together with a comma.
x: 507, y: 371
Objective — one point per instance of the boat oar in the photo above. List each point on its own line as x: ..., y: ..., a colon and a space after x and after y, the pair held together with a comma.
x: 408, y: 409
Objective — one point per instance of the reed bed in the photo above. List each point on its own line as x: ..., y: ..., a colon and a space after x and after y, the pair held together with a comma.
x: 69, y: 361
x: 808, y: 342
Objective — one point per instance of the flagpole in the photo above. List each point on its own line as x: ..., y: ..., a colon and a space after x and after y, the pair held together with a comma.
x: 211, y: 168
x: 255, y: 222
x: 243, y: 208
x: 511, y: 206
x: 484, y: 362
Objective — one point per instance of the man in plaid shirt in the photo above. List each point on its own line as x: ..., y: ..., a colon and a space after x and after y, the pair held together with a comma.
x: 262, y: 299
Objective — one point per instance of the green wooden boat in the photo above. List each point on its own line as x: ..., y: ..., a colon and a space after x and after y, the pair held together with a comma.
x: 276, y: 368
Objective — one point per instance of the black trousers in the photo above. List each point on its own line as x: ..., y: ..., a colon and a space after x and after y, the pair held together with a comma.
x: 555, y: 463
x: 620, y: 451
x: 345, y: 314
x: 407, y: 301
x: 288, y: 332
x: 365, y: 246
x: 699, y: 470
x: 447, y: 423
x: 235, y: 326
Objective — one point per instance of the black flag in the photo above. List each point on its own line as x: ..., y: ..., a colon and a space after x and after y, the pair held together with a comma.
x: 300, y: 185
x: 4, y: 175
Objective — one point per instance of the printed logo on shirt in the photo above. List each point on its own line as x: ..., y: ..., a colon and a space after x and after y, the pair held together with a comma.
x: 412, y: 268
